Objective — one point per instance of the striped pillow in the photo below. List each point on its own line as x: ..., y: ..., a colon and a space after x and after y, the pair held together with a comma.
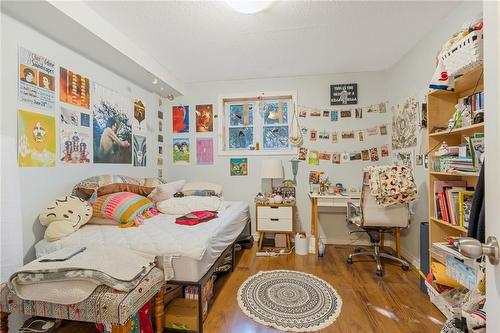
x: 126, y: 208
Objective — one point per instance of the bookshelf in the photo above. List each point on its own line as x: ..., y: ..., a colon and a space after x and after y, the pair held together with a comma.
x: 440, y: 108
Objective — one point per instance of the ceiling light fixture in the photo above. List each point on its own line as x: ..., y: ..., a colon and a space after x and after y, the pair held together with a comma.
x: 249, y: 6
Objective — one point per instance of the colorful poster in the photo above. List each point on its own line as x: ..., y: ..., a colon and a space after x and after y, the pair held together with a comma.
x: 111, y: 126
x: 180, y: 119
x: 74, y: 88
x: 238, y: 166
x: 204, y: 118
x: 181, y: 150
x: 36, y: 139
x: 74, y: 146
x: 70, y: 117
x: 204, y: 151
x: 138, y: 123
x: 36, y: 80
x: 139, y: 150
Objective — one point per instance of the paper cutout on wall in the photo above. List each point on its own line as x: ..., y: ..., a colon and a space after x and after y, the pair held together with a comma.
x: 36, y: 139
x: 181, y: 150
x: 180, y: 119
x: 204, y: 118
x: 112, y: 128
x: 36, y: 80
x: 74, y: 146
x: 204, y: 151
x: 404, y: 124
x: 74, y: 88
x: 238, y: 166
x: 140, y: 151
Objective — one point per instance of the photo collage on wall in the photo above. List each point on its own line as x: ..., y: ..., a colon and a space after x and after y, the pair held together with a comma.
x: 93, y: 124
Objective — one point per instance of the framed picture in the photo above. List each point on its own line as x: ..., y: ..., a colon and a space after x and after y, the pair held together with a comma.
x: 344, y: 94
x: 238, y: 166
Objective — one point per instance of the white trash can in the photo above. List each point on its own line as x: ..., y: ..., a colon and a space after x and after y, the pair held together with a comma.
x: 301, y: 246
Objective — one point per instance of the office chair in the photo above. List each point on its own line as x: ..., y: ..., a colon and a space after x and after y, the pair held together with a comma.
x: 375, y: 220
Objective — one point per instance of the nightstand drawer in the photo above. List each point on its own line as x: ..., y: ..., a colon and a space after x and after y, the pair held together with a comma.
x: 275, y: 224
x: 280, y: 212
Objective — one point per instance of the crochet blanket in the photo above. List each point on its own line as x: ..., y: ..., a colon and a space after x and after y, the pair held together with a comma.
x: 73, y: 280
x: 392, y: 185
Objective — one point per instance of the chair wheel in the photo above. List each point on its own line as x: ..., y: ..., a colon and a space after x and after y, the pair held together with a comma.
x: 405, y: 267
x: 379, y: 272
x: 349, y: 260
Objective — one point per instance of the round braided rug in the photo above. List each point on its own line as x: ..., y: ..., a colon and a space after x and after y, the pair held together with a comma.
x: 289, y: 300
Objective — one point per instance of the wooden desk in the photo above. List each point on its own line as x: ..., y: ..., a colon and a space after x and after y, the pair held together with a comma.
x: 328, y: 200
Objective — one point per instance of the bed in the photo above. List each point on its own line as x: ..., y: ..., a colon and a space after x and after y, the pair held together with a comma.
x: 186, y: 253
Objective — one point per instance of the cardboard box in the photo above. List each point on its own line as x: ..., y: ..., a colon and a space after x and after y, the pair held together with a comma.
x: 182, y: 314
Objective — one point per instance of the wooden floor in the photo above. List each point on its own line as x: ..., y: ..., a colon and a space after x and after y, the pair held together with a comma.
x: 390, y: 304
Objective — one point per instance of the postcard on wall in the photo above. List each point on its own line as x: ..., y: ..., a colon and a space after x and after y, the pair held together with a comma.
x: 36, y: 81
x: 314, y: 113
x: 323, y: 135
x: 36, y: 139
x: 325, y: 156
x: 313, y: 157
x: 372, y: 130
x: 383, y: 130
x: 159, y: 161
x: 74, y: 146
x: 181, y: 150
x: 204, y: 118
x: 404, y: 158
x: 302, y: 112
x: 335, y: 137
x: 334, y: 116
x: 160, y: 173
x: 419, y: 159
x: 238, y: 166
x: 160, y: 115
x: 374, y: 154
x: 344, y: 157
x: 384, y: 151
x: 302, y: 155
x: 345, y: 114
x: 382, y: 108
x: 138, y: 122
x: 160, y: 125
x: 361, y: 136
x: 160, y: 150
x: 205, y: 151
x: 336, y: 158
x: 365, y: 155
x: 140, y: 152
x: 359, y: 113
x: 326, y: 113
x: 355, y: 156
x: 70, y: 116
x: 313, y: 135
x: 74, y: 88
x: 180, y: 119
x: 160, y: 138
x: 348, y: 135
x: 112, y: 127
x: 344, y: 94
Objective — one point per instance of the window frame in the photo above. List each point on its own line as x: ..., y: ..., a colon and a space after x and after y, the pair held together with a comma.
x: 258, y: 123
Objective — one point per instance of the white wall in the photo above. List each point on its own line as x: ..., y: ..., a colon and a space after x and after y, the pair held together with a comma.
x: 25, y: 191
x: 312, y: 91
x: 411, y: 77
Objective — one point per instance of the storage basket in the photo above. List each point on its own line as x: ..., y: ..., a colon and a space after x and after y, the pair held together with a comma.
x: 464, y: 54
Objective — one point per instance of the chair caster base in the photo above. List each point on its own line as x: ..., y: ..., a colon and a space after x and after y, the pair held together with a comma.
x: 349, y: 261
x: 379, y: 272
x: 405, y: 268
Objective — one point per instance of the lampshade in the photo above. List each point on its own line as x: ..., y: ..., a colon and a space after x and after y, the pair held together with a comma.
x: 271, y: 169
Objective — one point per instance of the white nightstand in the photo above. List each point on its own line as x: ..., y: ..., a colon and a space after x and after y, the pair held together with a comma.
x: 276, y: 218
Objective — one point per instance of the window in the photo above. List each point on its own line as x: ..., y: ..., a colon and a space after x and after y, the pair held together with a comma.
x: 256, y: 125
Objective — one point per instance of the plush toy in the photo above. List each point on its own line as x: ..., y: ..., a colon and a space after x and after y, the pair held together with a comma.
x: 64, y: 216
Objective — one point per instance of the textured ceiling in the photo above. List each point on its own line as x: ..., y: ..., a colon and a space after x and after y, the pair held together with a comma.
x: 208, y: 41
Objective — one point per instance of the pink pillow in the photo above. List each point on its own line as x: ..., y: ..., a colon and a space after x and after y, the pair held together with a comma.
x: 166, y: 191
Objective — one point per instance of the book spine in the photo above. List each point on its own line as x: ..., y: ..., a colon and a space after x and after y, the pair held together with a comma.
x: 443, y: 207
x: 437, y: 213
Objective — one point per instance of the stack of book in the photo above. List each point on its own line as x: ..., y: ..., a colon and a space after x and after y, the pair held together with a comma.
x: 453, y: 201
x: 475, y: 101
x: 462, y: 164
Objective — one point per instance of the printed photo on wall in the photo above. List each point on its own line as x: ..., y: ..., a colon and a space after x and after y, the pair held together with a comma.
x: 384, y: 151
x: 344, y: 157
x: 84, y: 119
x: 347, y: 135
x: 326, y: 113
x: 313, y: 135
x: 160, y: 173
x: 313, y: 157
x: 140, y: 156
x: 335, y: 137
x: 180, y: 119
x: 336, y: 158
x: 159, y: 161
x: 334, y: 116
x: 74, y: 146
x: 419, y: 160
x: 36, y: 139
x: 361, y: 136
x: 138, y: 122
x: 404, y: 158
x: 36, y: 84
x: 74, y: 88
x: 359, y: 113
x: 355, y: 156
x: 365, y: 155
x: 372, y: 130
x: 314, y: 177
x: 160, y: 125
x: 324, y: 135
x: 160, y: 150
x: 315, y: 113
x: 238, y: 166
x: 383, y: 130
x: 160, y: 138
x: 302, y: 112
x: 111, y: 126
x: 374, y: 154
x: 160, y: 115
x: 70, y: 117
x: 382, y: 108
x: 302, y: 155
x: 205, y: 151
x: 345, y: 114
x: 181, y: 150
x: 204, y: 118
x: 325, y: 156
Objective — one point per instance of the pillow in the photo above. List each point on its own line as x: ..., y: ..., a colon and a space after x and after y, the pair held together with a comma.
x: 64, y: 216
x: 201, y: 186
x: 184, y: 205
x: 200, y: 193
x: 126, y: 208
x: 166, y: 191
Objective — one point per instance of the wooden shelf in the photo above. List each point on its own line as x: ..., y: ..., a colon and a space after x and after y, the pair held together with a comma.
x: 456, y: 173
x: 461, y: 130
x: 465, y: 82
x: 449, y: 225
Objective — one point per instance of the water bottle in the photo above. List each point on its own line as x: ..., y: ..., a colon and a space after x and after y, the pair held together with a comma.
x: 321, y: 248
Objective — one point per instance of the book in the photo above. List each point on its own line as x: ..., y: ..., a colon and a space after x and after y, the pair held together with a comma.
x: 452, y: 204
x: 438, y: 187
x: 442, y: 204
x: 465, y: 204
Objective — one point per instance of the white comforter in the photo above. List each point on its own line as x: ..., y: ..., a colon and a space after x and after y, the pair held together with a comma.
x: 159, y: 235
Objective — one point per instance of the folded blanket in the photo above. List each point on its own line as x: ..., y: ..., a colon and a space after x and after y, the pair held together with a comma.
x: 73, y: 280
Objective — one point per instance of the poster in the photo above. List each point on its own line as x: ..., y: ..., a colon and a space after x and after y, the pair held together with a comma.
x: 36, y: 139
x: 36, y: 82
x: 204, y: 118
x: 344, y: 94
x: 84, y: 119
x: 74, y: 146
x: 138, y: 122
x: 139, y: 150
x: 204, y: 151
x: 404, y: 124
x: 180, y: 119
x: 74, y: 88
x: 112, y: 126
x: 238, y: 166
x: 181, y: 150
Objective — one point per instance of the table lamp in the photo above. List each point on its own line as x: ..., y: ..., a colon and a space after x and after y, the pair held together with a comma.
x: 272, y: 169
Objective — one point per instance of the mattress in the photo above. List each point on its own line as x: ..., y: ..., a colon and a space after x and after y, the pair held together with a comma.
x: 186, y: 252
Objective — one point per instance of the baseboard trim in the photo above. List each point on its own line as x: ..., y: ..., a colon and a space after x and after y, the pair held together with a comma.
x: 411, y: 258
